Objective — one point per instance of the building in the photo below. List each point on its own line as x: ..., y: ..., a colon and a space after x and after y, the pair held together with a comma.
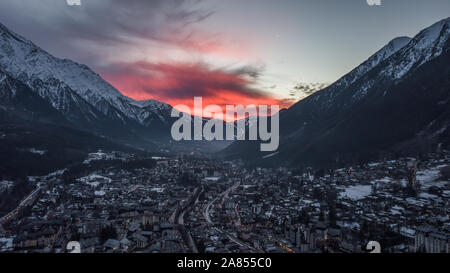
x: 429, y: 240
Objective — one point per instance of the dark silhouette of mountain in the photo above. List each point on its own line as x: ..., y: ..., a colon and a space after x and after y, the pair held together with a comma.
x: 396, y: 102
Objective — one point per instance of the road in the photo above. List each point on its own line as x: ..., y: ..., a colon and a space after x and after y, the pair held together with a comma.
x: 207, y: 216
x: 179, y: 216
x: 25, y: 202
x: 206, y: 213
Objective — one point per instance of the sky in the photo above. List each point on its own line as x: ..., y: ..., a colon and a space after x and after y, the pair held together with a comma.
x: 227, y: 51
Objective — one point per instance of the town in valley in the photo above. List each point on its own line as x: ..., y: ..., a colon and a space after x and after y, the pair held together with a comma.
x: 116, y: 202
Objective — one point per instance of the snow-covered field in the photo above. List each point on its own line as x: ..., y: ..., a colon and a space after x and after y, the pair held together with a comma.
x: 356, y: 192
x: 383, y: 180
x: 6, y: 244
x: 99, y: 193
x: 158, y: 190
x: 94, y: 180
x: 430, y: 177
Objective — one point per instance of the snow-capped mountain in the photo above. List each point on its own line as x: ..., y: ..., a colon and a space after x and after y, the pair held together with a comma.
x: 403, y: 54
x: 35, y: 138
x: 424, y: 47
x: 51, y: 77
x: 85, y: 100
x: 428, y: 44
x: 397, y: 99
x: 17, y: 101
x: 381, y: 55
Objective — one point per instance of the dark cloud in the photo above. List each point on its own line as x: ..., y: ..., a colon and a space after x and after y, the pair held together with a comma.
x: 122, y: 20
x: 64, y: 29
x: 301, y: 89
x: 252, y: 71
x: 102, y: 34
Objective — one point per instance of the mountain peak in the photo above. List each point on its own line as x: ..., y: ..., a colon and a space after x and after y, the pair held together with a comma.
x: 399, y: 42
x: 434, y: 30
x: 28, y: 63
x: 401, y: 55
x: 384, y: 53
x: 388, y: 50
x: 432, y: 33
x: 428, y: 44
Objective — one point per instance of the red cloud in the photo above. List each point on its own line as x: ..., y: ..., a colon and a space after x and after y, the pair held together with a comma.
x: 179, y: 83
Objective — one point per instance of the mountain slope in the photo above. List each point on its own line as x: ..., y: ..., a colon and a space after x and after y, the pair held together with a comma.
x: 35, y: 138
x: 26, y: 61
x: 368, y: 111
x: 18, y: 101
x: 80, y: 94
x: 327, y: 95
x: 87, y: 101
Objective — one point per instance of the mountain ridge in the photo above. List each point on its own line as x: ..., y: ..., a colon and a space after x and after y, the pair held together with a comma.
x: 28, y: 62
x: 324, y: 118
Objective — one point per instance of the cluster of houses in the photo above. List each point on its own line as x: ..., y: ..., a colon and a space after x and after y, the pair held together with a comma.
x: 186, y: 204
x: 402, y: 204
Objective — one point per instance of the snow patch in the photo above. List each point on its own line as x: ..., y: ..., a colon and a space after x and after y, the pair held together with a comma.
x: 356, y: 192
